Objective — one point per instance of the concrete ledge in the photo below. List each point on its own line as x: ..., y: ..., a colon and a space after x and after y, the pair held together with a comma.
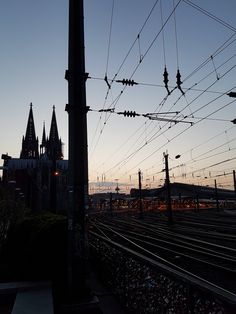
x: 9, y: 287
x: 38, y: 301
x: 31, y: 297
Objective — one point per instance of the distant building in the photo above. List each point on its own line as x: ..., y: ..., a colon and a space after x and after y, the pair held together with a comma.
x: 183, y: 191
x: 39, y: 176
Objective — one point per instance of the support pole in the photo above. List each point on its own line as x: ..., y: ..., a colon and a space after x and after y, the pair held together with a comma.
x: 111, y: 205
x: 140, y: 194
x: 217, y: 198
x: 167, y: 184
x: 234, y: 183
x: 197, y: 203
x: 78, y: 156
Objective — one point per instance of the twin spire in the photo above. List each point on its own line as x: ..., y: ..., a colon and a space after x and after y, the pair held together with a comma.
x: 51, y: 147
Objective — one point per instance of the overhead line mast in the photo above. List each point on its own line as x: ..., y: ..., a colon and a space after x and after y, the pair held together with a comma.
x: 78, y: 156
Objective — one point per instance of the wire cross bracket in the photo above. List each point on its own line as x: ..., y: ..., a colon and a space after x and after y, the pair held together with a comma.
x: 150, y: 116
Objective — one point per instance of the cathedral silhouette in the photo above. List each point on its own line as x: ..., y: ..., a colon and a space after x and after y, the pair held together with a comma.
x: 39, y: 176
x: 51, y: 146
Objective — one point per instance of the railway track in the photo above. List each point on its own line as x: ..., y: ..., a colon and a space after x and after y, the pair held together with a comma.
x: 204, y: 253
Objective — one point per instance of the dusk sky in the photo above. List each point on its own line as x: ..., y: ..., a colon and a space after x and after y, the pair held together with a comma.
x: 128, y: 39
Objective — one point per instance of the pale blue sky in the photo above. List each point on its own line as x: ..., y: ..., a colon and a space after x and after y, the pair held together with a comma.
x: 33, y: 59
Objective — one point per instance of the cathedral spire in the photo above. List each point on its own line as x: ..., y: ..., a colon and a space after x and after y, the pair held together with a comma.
x: 43, y: 145
x: 54, y: 145
x: 44, y: 135
x: 30, y: 142
x: 53, y: 135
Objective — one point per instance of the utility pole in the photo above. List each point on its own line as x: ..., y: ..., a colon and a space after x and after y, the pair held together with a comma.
x: 217, y: 198
x: 111, y: 207
x: 234, y: 183
x: 78, y: 156
x: 167, y: 184
x: 197, y: 203
x: 140, y: 194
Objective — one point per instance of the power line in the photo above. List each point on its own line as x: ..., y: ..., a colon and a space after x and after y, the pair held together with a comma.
x: 176, y: 37
x: 218, y: 51
x: 109, y: 40
x: 205, y: 91
x: 174, y: 137
x: 207, y: 141
x: 215, y: 164
x: 163, y: 86
x: 215, y: 18
x: 148, y: 50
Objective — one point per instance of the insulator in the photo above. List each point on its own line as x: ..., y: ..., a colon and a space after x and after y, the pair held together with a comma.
x: 178, y: 76
x: 179, y: 82
x: 129, y: 113
x: 165, y: 74
x: 127, y: 82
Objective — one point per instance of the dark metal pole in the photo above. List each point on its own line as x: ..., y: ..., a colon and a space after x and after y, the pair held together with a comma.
x: 234, y: 183
x: 111, y: 207
x: 140, y: 194
x: 197, y: 203
x: 167, y: 183
x: 78, y: 157
x: 217, y: 199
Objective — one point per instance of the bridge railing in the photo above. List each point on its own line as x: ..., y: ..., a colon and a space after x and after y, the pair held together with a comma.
x: 146, y: 286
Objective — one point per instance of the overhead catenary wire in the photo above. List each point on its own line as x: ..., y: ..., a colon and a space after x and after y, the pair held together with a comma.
x: 171, y: 86
x: 106, y: 69
x: 208, y: 140
x: 176, y: 37
x: 212, y: 16
x: 196, y: 118
x: 151, y: 12
x: 213, y: 165
x: 109, y: 40
x: 219, y: 50
x: 134, y: 42
x: 144, y: 55
x: 206, y: 90
x: 163, y: 34
x: 120, y: 164
x: 121, y: 65
x: 155, y: 135
x: 161, y: 147
x: 222, y: 47
x: 203, y: 91
x: 196, y: 158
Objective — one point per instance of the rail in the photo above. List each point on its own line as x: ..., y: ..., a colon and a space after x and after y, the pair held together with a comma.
x: 146, y: 286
